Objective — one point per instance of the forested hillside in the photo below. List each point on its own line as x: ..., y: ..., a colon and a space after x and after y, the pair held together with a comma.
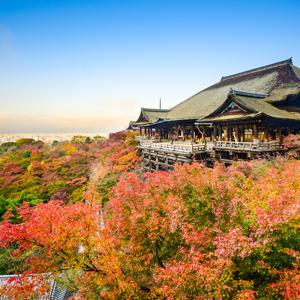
x: 35, y: 172
x: 193, y: 233
x: 32, y: 172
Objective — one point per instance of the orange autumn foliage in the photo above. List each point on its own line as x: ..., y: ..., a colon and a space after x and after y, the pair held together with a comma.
x: 193, y: 233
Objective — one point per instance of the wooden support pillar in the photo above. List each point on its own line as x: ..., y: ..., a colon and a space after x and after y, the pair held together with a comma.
x: 220, y: 133
x: 278, y: 134
x: 267, y: 134
x: 225, y: 134
x: 229, y: 132
x: 214, y: 133
x: 193, y: 132
x: 204, y: 134
x: 241, y: 134
x: 143, y: 160
x: 237, y: 133
x: 255, y: 133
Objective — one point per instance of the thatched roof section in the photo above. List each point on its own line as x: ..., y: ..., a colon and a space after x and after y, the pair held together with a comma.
x: 296, y: 70
x: 255, y: 107
x: 152, y: 115
x: 148, y: 116
x: 264, y: 107
x: 275, y: 82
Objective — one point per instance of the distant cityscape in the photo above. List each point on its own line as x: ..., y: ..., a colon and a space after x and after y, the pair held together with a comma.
x: 45, y: 137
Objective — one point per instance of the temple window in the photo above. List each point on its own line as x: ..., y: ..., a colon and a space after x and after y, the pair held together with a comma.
x: 248, y: 135
x: 261, y: 135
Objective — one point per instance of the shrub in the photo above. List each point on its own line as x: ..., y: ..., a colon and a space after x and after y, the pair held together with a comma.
x: 26, y: 154
x: 24, y: 141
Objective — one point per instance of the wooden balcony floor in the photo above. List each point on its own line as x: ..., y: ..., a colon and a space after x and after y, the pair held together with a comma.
x: 187, y: 147
x: 179, y: 147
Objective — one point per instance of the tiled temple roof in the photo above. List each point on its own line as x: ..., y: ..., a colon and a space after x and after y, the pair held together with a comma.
x: 267, y: 84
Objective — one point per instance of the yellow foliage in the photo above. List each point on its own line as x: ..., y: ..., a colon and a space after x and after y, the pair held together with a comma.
x: 69, y: 149
x: 130, y: 138
x: 126, y: 161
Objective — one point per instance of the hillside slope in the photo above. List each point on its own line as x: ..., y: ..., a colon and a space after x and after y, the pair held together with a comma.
x: 195, y: 232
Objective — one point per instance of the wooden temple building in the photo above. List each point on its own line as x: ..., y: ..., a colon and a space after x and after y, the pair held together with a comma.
x: 243, y: 116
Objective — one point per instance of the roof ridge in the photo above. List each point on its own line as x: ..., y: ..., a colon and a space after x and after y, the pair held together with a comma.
x: 266, y: 67
x: 296, y: 71
x: 247, y: 94
x: 155, y: 109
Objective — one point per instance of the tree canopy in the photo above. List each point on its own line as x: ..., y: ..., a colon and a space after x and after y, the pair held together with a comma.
x: 195, y: 232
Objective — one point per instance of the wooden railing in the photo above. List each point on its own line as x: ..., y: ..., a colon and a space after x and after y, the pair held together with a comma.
x: 191, y: 148
x: 176, y: 148
x: 249, y: 146
x: 196, y: 148
x: 144, y: 138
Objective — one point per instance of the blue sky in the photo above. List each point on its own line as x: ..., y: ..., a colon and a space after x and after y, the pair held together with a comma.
x: 88, y: 66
